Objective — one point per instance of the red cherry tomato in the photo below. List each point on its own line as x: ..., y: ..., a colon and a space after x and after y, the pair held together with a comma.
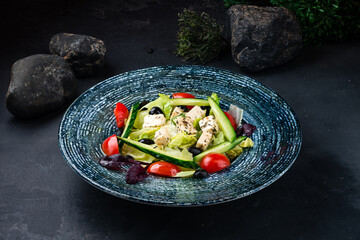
x: 214, y: 162
x: 121, y: 114
x: 163, y: 169
x: 110, y: 145
x: 184, y: 95
x: 231, y: 119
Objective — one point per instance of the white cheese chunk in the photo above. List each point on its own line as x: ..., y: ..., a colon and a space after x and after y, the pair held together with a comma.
x: 195, y: 113
x: 162, y: 136
x: 184, y: 124
x: 209, y: 123
x: 177, y: 111
x: 204, y: 140
x: 155, y: 120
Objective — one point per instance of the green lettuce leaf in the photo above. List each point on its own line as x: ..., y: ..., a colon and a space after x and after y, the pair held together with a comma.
x: 234, y: 152
x: 184, y: 154
x: 182, y: 140
x: 136, y: 154
x: 218, y: 138
x: 216, y: 98
x: 143, y: 133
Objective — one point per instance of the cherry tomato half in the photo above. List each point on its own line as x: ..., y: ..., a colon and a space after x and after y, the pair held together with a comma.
x: 184, y: 95
x: 214, y: 162
x: 231, y: 119
x: 110, y: 146
x: 163, y: 169
x: 121, y: 114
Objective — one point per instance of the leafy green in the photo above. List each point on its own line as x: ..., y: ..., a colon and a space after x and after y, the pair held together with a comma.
x: 247, y: 143
x: 196, y: 123
x: 325, y: 20
x: 218, y: 138
x: 216, y: 98
x: 199, y: 37
x: 136, y: 154
x: 234, y: 152
x: 161, y: 102
x: 143, y: 133
x: 183, y: 154
x: 182, y: 140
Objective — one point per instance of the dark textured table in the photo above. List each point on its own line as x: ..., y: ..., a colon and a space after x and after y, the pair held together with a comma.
x: 42, y: 198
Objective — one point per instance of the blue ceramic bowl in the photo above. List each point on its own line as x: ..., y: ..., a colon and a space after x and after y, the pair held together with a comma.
x: 90, y: 120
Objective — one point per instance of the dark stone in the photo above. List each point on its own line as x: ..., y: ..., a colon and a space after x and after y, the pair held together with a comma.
x: 263, y: 37
x: 39, y: 84
x: 84, y: 53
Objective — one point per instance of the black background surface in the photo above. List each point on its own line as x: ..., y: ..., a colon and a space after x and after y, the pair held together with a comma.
x: 42, y: 198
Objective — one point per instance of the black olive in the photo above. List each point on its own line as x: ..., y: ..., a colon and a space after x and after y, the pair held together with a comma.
x: 156, y: 110
x: 207, y: 108
x: 184, y: 108
x: 120, y: 131
x: 147, y: 141
x: 239, y: 131
x: 194, y: 150
x: 143, y: 103
x: 200, y: 174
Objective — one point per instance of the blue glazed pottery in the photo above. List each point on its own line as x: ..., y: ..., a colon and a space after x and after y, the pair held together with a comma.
x: 90, y: 120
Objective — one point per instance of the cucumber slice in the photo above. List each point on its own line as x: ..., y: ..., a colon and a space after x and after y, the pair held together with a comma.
x: 188, y: 102
x: 224, y: 122
x: 129, y: 123
x: 160, y: 154
x: 221, y: 148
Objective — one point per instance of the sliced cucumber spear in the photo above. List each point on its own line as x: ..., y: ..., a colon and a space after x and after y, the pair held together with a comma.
x: 160, y: 154
x: 129, y: 123
x: 221, y: 148
x: 224, y: 122
x: 188, y: 102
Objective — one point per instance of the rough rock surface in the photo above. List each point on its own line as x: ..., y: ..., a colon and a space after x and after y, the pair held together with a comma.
x: 84, y: 53
x: 263, y: 37
x: 39, y: 84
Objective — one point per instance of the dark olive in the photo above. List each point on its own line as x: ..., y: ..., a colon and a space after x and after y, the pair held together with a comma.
x: 147, y: 141
x: 156, y: 110
x: 184, y: 108
x: 120, y: 131
x: 194, y: 150
x: 238, y: 131
x: 201, y: 174
x: 207, y: 108
x: 142, y: 104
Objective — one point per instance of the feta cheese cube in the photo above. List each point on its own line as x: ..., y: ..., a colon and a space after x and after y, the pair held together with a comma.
x: 162, y: 136
x: 184, y: 124
x: 204, y: 140
x: 155, y: 120
x: 177, y: 111
x: 209, y: 123
x: 195, y: 113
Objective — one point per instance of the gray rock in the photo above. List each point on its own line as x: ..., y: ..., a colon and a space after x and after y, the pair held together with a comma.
x: 39, y: 84
x: 263, y: 37
x: 84, y: 53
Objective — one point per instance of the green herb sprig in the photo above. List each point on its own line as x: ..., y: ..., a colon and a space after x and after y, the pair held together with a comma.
x: 325, y: 20
x: 199, y: 37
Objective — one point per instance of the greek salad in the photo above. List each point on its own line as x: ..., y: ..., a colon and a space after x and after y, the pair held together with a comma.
x: 182, y: 136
